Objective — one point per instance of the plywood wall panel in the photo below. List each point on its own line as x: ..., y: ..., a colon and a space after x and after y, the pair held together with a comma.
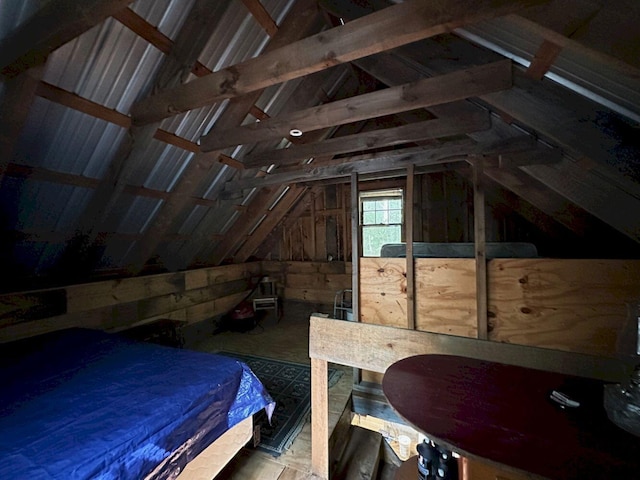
x: 573, y: 305
x: 446, y: 296
x: 383, y: 291
x: 577, y: 305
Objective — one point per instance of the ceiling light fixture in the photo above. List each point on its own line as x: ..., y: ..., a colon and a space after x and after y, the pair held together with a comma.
x: 294, y: 132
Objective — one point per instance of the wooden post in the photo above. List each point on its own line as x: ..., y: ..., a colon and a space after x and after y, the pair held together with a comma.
x: 356, y: 246
x: 314, y: 247
x: 411, y: 301
x: 480, y: 247
x: 346, y: 243
x: 356, y: 252
x: 319, y: 419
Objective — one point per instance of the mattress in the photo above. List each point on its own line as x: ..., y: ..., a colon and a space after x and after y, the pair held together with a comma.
x: 461, y: 250
x: 79, y: 404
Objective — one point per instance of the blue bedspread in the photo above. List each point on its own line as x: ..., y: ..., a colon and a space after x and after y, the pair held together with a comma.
x: 81, y: 404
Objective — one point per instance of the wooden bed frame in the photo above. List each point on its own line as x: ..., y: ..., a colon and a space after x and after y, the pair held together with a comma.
x: 208, y: 463
x: 216, y: 456
x: 375, y: 347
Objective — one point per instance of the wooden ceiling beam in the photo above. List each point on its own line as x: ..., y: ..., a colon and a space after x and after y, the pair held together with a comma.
x: 366, y: 163
x: 586, y: 29
x: 259, y: 206
x: 459, y: 85
x: 55, y: 24
x: 15, y: 170
x: 544, y: 58
x: 155, y: 37
x: 392, y: 27
x: 80, y: 104
x: 15, y: 105
x: 550, y: 107
x: 302, y: 20
x: 144, y: 29
x: 134, y: 150
x: 414, y: 132
x: 262, y: 16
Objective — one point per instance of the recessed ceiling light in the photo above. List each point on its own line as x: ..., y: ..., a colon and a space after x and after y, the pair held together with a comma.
x: 294, y: 132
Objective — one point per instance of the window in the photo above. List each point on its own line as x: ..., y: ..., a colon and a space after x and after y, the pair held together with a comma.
x: 381, y: 219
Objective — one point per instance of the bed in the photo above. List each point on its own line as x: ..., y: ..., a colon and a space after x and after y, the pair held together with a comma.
x: 79, y: 404
x: 460, y: 250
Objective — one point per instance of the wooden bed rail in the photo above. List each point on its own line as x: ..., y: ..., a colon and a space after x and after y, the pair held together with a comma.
x: 375, y: 347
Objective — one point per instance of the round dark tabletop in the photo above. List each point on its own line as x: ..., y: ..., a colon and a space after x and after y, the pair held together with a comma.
x: 502, y: 414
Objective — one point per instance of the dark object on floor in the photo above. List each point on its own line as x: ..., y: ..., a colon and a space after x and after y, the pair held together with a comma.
x: 290, y: 386
x: 163, y: 332
x: 241, y: 319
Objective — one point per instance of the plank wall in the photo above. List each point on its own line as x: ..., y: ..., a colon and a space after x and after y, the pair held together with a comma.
x: 318, y: 230
x: 310, y: 282
x: 572, y: 305
x: 113, y: 305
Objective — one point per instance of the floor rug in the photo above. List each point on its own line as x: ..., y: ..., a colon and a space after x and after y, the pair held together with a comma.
x: 290, y: 386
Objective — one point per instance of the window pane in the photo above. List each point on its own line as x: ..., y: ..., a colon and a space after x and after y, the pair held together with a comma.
x: 368, y: 205
x: 381, y: 204
x: 395, y: 216
x: 381, y: 217
x: 396, y: 203
x: 374, y: 237
x: 368, y: 218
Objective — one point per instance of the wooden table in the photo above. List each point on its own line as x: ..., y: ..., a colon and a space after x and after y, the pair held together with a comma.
x: 502, y: 414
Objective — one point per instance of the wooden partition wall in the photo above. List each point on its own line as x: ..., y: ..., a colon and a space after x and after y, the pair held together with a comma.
x: 575, y: 305
x: 112, y: 305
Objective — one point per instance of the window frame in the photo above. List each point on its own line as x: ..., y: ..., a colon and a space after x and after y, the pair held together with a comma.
x: 382, y: 216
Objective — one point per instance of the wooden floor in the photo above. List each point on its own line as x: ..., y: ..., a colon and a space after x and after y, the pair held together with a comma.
x: 286, y: 339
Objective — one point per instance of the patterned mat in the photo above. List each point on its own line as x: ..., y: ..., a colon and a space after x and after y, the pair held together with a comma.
x: 290, y: 386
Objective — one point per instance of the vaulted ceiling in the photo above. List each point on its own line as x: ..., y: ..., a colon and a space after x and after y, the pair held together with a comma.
x: 159, y: 130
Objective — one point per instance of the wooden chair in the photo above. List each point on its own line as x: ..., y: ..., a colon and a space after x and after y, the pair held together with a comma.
x: 267, y: 298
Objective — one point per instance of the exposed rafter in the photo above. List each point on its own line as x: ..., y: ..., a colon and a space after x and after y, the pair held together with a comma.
x: 269, y: 223
x: 133, y: 153
x: 262, y: 16
x: 302, y: 20
x: 395, y: 26
x: 56, y: 23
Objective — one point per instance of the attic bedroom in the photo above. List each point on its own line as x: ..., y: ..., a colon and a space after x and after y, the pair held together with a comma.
x: 465, y: 172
